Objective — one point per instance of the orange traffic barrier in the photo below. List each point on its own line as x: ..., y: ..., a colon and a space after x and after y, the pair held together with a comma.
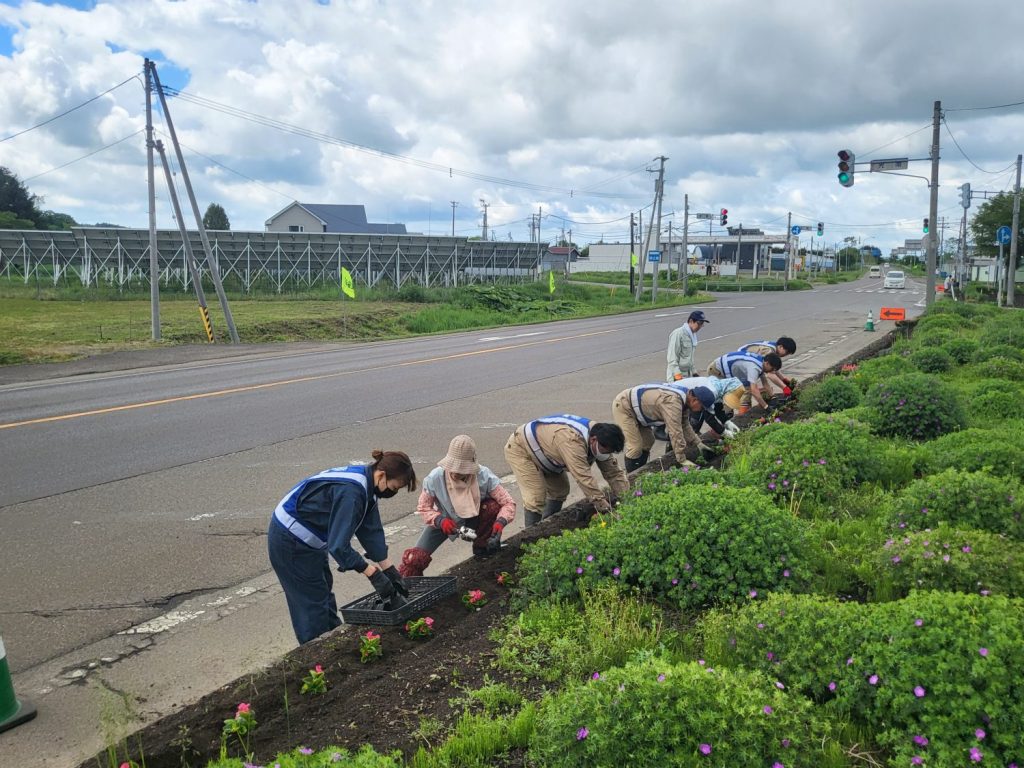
x: 892, y: 313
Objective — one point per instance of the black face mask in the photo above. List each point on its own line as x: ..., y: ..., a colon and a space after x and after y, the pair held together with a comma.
x: 387, y: 493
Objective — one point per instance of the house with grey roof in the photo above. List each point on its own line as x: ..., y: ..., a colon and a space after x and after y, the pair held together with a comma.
x: 317, y: 217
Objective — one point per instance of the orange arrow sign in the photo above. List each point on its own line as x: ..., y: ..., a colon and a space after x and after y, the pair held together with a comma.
x: 892, y: 313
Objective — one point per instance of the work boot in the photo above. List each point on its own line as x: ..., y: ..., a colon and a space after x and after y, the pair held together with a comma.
x: 552, y: 507
x: 414, y: 562
x: 634, y: 464
x: 531, y: 518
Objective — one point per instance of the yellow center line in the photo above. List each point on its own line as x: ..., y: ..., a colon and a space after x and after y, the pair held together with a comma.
x: 300, y: 380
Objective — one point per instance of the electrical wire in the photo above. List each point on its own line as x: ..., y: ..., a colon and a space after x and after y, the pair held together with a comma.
x: 950, y: 132
x: 925, y: 127
x: 328, y: 139
x: 975, y: 109
x: 69, y: 111
x: 83, y: 157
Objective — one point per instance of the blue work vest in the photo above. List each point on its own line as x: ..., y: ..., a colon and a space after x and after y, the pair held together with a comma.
x: 354, y: 474
x: 636, y: 395
x: 750, y: 344
x: 579, y: 423
x: 725, y: 362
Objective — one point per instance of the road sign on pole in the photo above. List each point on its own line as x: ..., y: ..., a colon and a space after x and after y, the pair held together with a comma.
x: 655, y: 256
x: 895, y: 164
x: 796, y: 230
x: 1003, y: 235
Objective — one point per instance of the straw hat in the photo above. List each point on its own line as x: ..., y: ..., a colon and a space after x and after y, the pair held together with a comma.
x: 461, y: 457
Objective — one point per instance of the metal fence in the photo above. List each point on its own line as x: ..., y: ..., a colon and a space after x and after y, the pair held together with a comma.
x: 275, y: 261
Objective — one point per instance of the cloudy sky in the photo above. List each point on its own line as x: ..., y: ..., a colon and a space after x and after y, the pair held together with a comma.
x: 555, y: 105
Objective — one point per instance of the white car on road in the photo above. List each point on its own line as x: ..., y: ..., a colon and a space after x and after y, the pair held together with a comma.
x: 895, y: 279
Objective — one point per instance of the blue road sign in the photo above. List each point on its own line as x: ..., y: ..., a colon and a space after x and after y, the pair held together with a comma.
x: 1003, y: 235
x: 654, y: 256
x: 796, y: 230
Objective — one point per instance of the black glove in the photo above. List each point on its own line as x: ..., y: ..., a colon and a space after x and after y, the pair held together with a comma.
x: 383, y: 585
x: 494, y: 542
x: 396, y: 580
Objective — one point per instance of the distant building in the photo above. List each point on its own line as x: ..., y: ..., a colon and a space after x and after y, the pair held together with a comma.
x: 558, y: 258
x: 316, y: 217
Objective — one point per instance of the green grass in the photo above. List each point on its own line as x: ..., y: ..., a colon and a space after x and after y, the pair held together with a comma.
x: 56, y: 323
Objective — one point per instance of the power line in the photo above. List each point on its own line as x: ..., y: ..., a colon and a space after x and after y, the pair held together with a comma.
x: 1001, y: 170
x: 993, y: 106
x: 901, y: 138
x: 69, y: 111
x: 83, y: 157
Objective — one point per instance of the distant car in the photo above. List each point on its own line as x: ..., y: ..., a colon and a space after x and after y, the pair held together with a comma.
x: 895, y: 279
x: 875, y: 272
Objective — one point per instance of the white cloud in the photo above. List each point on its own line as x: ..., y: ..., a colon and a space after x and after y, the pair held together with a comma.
x: 749, y: 100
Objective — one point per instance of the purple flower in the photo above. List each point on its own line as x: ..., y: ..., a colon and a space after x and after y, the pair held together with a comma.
x: 777, y: 764
x: 579, y: 570
x: 638, y: 493
x: 705, y: 749
x: 849, y: 661
x: 753, y: 593
x: 979, y: 734
x: 336, y: 757
x: 616, y: 571
x: 917, y: 760
x: 661, y: 678
x: 965, y: 548
x: 945, y: 558
x: 873, y: 679
x: 921, y: 741
x: 895, y: 559
x: 919, y: 691
x: 785, y: 574
x: 785, y: 743
x: 596, y: 676
x: 976, y: 755
x: 590, y: 558
x: 701, y: 662
x: 305, y: 750
x: 832, y: 685
x: 918, y: 622
x: 767, y: 710
x: 674, y: 582
x: 780, y: 686
x: 806, y: 463
x: 582, y: 733
x: 771, y: 486
x: 760, y: 625
x: 983, y: 651
x: 984, y: 593
x: 821, y: 461
x: 770, y: 655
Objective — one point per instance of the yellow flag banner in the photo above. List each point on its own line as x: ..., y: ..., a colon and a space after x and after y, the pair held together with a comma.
x: 551, y: 281
x: 346, y: 283
x: 633, y: 260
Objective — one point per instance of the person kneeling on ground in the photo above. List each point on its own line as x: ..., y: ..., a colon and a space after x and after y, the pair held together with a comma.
x: 748, y: 369
x: 784, y: 347
x: 319, y: 516
x: 541, y: 451
x: 639, y: 410
x: 459, y: 494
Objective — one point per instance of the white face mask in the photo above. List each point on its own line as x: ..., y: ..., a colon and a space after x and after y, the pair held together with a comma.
x: 598, y: 456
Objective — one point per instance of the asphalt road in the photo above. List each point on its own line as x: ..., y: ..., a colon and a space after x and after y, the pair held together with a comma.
x: 135, y: 502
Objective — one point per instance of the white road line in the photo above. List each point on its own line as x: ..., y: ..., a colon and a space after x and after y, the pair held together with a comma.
x: 513, y: 336
x: 162, y: 623
x: 687, y: 312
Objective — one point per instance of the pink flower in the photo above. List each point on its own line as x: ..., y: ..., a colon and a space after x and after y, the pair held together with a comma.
x: 753, y: 593
x: 428, y: 621
x: 318, y: 669
x: 979, y: 734
x: 780, y: 686
x: 873, y: 679
x: 579, y: 570
x: 596, y: 676
x: 705, y: 749
x: 983, y: 651
x: 919, y: 691
x: 616, y: 571
x: 306, y: 750
x: 916, y: 760
x: 918, y: 622
x: 965, y: 549
x: 777, y: 764
x: 243, y: 708
x: 921, y: 741
x: 785, y: 574
x: 976, y: 755
x: 767, y: 710
x: 582, y: 733
x: 832, y: 685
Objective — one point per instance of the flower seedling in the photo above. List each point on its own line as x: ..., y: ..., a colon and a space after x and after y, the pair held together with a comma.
x: 506, y: 579
x: 370, y: 647
x: 241, y: 726
x: 420, y: 629
x: 475, y: 599
x: 314, y: 681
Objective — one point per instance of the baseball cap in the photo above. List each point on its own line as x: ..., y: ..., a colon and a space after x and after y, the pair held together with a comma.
x: 698, y: 317
x: 706, y: 397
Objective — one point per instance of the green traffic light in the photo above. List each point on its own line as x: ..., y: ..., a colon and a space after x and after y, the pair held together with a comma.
x: 844, y: 178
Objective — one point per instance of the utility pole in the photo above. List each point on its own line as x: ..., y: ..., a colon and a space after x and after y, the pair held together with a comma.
x: 1011, y: 273
x: 154, y: 262
x: 540, y: 216
x: 684, y: 258
x: 484, y: 204
x: 214, y: 271
x: 632, y: 252
x: 933, y: 207
x: 655, y: 227
x: 454, y: 206
x: 670, y: 251
x: 789, y: 249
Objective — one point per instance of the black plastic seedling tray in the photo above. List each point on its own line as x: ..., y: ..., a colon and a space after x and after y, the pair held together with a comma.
x: 424, y: 591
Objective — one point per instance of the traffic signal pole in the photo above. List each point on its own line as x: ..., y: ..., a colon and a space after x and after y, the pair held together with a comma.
x: 1011, y: 272
x: 933, y: 207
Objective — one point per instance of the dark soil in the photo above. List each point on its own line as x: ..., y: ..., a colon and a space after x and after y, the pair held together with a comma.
x: 384, y: 702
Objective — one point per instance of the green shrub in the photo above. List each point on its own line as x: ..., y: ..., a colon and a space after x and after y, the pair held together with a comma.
x: 946, y: 558
x: 994, y: 450
x: 809, y: 462
x: 943, y: 321
x: 366, y: 757
x: 555, y: 640
x: 655, y: 713
x: 476, y: 740
x: 961, y: 498
x: 932, y: 360
x: 961, y: 350
x: 932, y: 337
x: 690, y: 547
x: 988, y: 409
x: 1005, y: 328
x: 935, y: 664
x: 915, y: 405
x: 661, y: 482
x: 835, y: 393
x: 879, y: 369
x: 1000, y: 368
x: 984, y: 352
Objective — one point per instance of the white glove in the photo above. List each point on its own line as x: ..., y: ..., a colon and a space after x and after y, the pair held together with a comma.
x: 730, y: 429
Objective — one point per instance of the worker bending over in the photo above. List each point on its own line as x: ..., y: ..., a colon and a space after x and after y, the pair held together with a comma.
x: 639, y: 410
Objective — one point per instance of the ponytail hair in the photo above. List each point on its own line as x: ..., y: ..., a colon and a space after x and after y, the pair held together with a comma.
x: 396, y: 466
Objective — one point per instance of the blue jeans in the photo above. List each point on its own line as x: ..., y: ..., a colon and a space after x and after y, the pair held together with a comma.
x: 305, y: 576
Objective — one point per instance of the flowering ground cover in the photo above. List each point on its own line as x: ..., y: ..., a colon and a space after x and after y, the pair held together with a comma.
x: 841, y: 591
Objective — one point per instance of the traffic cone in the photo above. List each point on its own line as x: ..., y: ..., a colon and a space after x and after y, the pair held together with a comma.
x: 870, y: 324
x: 12, y: 711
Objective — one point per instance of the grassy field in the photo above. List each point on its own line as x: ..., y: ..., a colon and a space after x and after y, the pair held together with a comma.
x: 51, y: 324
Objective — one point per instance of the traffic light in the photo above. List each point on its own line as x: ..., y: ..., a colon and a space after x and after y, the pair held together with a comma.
x: 965, y: 195
x: 724, y: 218
x: 924, y: 227
x: 821, y: 228
x: 846, y: 160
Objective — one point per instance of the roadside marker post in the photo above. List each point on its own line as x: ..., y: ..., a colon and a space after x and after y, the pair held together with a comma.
x: 12, y: 711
